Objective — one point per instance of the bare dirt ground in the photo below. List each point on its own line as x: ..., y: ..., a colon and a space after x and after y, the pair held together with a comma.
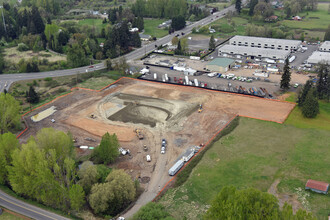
x: 160, y: 111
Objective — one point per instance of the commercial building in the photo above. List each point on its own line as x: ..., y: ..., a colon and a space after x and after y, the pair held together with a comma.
x: 220, y: 65
x: 325, y: 47
x: 317, y: 186
x: 319, y: 57
x: 252, y: 52
x: 267, y: 43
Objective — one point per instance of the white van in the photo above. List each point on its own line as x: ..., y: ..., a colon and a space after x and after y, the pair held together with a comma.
x: 148, y: 158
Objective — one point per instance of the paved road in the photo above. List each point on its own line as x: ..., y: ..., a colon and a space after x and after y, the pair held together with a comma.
x: 25, y: 209
x: 7, y: 79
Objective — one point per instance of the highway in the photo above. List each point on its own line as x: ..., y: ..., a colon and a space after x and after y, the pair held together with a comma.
x: 26, y: 209
x: 7, y: 79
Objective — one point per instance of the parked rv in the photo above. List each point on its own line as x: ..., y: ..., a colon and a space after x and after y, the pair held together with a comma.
x: 176, y: 167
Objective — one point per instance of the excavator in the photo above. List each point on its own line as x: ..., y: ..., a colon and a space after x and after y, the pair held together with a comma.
x: 200, y: 108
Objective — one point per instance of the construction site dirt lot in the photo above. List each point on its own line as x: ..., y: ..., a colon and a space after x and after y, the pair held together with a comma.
x: 159, y: 111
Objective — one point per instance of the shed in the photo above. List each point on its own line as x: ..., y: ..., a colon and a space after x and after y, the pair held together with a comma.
x: 144, y: 37
x: 220, y: 64
x: 317, y: 186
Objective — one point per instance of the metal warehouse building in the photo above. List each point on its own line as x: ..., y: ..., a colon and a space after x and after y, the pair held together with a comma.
x: 267, y: 43
x: 220, y: 65
x: 325, y: 47
x: 252, y: 52
x: 319, y: 57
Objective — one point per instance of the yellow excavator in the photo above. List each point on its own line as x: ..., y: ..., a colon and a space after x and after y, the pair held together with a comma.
x: 200, y: 108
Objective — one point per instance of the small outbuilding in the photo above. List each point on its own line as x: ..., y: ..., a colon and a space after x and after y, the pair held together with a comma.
x: 145, y: 37
x: 220, y: 65
x: 317, y: 186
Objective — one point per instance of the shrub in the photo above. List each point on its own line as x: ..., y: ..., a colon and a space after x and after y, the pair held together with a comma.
x: 22, y: 47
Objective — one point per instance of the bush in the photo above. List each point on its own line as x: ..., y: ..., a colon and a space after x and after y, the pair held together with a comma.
x: 22, y: 47
x: 52, y: 84
x: 184, y: 174
x: 47, y: 79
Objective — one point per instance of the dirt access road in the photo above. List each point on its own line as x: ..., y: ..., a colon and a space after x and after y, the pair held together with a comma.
x: 159, y: 111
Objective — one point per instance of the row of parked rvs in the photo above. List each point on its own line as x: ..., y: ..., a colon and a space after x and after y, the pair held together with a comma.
x: 185, y: 158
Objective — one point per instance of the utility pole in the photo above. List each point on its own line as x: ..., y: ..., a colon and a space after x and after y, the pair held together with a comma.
x: 3, y: 19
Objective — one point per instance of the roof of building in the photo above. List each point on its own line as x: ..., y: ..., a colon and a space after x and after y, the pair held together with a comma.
x: 265, y: 40
x: 144, y: 36
x: 224, y: 62
x: 326, y: 45
x: 319, y: 57
x: 322, y: 186
x: 255, y: 51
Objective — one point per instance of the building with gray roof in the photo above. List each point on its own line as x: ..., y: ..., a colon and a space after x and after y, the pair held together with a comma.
x: 319, y: 57
x: 267, y: 43
x: 325, y: 47
x: 252, y: 52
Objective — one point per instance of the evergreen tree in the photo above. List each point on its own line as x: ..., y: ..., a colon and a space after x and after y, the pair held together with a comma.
x: 286, y: 77
x: 37, y: 20
x: 304, y: 92
x: 32, y: 96
x: 327, y: 34
x: 323, y: 84
x: 253, y: 3
x: 140, y: 23
x: 212, y: 43
x: 76, y: 56
x: 238, y: 6
x: 310, y: 107
x: 178, y: 50
x: 2, y: 63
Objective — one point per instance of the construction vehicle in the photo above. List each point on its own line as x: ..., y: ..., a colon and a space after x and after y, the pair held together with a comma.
x: 200, y: 108
x: 139, y: 134
x: 145, y: 148
x: 92, y: 116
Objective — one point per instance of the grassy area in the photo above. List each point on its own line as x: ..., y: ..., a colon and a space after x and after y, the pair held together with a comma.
x: 96, y: 23
x: 322, y: 120
x: 96, y: 83
x: 229, y: 27
x: 314, y: 20
x: 151, y: 28
x: 14, y: 56
x: 9, y: 216
x: 255, y: 154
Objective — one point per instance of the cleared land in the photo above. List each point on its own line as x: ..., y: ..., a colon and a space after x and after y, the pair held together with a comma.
x: 160, y: 111
x: 151, y: 28
x: 96, y: 83
x: 264, y: 155
x: 14, y: 56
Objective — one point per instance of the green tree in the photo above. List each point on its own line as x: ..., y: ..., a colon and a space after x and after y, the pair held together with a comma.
x: 286, y: 77
x: 303, y: 93
x: 103, y: 171
x: 9, y: 113
x: 109, y: 64
x: 113, y: 195
x: 32, y: 96
x: 88, y: 176
x: 175, y: 41
x: 178, y: 50
x: 76, y: 56
x: 310, y: 108
x: 212, y: 43
x: 136, y: 40
x: 77, y: 197
x: 2, y: 63
x: 238, y: 6
x: 152, y: 211
x: 250, y: 203
x: 253, y: 3
x: 323, y: 84
x: 107, y: 151
x: 8, y: 143
x: 38, y: 23
x: 327, y: 34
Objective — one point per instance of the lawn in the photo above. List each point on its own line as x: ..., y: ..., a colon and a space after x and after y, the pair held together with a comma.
x: 255, y: 154
x: 8, y: 216
x: 151, y: 28
x: 315, y: 20
x: 226, y: 28
x: 97, y: 23
x: 96, y: 83
x: 322, y: 120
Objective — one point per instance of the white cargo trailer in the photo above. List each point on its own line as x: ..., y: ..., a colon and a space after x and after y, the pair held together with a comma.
x: 176, y: 167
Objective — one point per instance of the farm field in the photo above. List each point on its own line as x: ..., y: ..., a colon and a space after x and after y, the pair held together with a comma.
x: 258, y: 154
x: 151, y: 28
x: 315, y: 20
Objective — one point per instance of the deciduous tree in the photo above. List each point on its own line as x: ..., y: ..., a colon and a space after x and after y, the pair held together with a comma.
x: 76, y: 56
x: 107, y: 151
x: 9, y: 112
x: 77, y: 197
x: 151, y: 211
x: 88, y: 176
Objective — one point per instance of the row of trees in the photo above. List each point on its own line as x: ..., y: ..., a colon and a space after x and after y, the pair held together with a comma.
x: 310, y: 93
x: 160, y: 8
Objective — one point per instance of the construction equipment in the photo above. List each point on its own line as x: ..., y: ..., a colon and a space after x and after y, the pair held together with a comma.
x: 145, y: 148
x: 139, y: 134
x: 200, y: 108
x: 92, y: 116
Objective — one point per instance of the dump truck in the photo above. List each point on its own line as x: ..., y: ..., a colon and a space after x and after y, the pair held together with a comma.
x: 139, y: 134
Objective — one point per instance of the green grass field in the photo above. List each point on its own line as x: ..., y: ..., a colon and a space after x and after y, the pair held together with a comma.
x: 96, y: 83
x: 315, y: 20
x: 255, y: 154
x: 8, y: 216
x: 151, y: 28
x: 97, y: 23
